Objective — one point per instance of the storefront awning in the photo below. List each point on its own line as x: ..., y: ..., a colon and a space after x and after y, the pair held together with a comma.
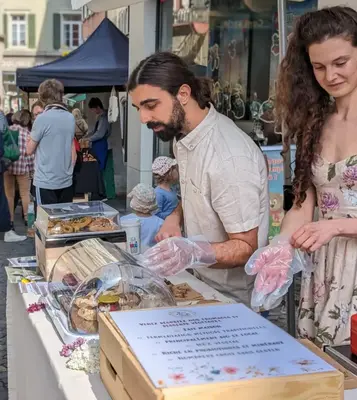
x: 103, y: 5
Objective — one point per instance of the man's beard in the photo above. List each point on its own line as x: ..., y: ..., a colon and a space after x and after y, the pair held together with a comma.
x: 174, y: 128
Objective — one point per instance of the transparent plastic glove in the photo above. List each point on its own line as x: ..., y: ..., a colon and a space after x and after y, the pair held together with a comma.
x: 274, y: 267
x: 174, y: 255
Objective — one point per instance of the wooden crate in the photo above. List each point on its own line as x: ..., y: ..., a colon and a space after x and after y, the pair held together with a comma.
x: 124, y: 378
x: 350, y: 380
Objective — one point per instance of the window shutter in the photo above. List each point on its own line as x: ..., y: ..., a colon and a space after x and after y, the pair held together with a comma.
x: 56, y: 31
x: 31, y: 18
x: 6, y: 32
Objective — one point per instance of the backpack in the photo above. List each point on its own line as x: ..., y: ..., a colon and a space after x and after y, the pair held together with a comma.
x: 11, y: 148
x: 11, y: 145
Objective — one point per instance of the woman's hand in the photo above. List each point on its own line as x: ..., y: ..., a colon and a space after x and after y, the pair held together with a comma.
x: 313, y: 236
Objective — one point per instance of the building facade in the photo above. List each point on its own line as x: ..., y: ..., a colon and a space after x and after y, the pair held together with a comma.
x: 35, y: 32
x: 233, y: 42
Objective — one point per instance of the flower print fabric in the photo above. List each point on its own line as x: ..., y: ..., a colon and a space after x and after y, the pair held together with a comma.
x: 329, y: 295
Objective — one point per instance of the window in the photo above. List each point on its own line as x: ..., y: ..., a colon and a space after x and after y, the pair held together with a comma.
x: 235, y: 43
x: 18, y: 30
x: 86, y: 12
x: 9, y: 82
x: 71, y: 30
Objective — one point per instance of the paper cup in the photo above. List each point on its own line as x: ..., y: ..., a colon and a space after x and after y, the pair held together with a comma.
x: 132, y: 228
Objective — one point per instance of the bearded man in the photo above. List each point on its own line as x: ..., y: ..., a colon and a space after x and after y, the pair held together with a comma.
x: 223, y: 179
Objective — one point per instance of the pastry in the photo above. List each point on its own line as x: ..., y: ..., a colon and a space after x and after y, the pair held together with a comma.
x: 81, y: 324
x: 184, y: 292
x: 61, y: 228
x: 131, y: 300
x: 101, y: 224
x: 79, y: 224
x: 89, y: 314
x: 208, y: 301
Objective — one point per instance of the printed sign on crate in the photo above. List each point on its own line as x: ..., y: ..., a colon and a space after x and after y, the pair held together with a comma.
x: 195, y: 345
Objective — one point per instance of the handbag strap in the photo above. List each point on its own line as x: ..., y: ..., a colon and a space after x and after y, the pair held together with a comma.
x: 82, y: 130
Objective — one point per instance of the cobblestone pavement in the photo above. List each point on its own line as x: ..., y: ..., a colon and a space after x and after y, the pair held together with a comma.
x: 27, y: 248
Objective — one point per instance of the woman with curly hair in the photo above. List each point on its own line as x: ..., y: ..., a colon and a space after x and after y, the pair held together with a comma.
x: 317, y: 105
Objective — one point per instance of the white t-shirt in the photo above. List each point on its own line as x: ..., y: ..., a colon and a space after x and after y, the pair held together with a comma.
x: 224, y: 188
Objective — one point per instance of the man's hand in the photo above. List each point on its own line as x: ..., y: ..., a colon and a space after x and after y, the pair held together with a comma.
x: 174, y: 255
x: 170, y: 228
x: 172, y: 225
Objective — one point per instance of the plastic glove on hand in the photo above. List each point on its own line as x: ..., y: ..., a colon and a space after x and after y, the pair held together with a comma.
x: 273, y: 266
x: 174, y: 255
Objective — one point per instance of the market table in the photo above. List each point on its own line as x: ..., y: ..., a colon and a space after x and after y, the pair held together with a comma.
x: 35, y: 368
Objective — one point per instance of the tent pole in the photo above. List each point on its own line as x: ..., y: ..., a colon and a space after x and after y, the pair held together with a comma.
x: 283, y: 38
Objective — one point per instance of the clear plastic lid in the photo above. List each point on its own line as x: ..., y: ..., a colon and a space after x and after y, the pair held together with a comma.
x: 71, y: 218
x: 94, y: 276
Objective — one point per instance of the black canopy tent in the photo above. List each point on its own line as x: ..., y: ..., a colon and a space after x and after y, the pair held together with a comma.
x: 97, y: 65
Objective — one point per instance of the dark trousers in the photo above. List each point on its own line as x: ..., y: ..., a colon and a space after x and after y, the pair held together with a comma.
x: 5, y: 223
x: 56, y: 196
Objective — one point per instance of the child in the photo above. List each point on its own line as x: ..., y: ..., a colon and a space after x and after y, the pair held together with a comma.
x: 166, y: 176
x: 143, y: 203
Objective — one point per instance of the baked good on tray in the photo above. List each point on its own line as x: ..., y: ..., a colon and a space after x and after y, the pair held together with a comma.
x: 85, y: 308
x: 83, y: 224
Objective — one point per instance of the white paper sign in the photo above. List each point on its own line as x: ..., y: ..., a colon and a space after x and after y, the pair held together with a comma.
x: 186, y: 346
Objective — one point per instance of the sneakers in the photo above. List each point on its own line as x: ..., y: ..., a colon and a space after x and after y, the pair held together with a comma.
x: 12, y: 237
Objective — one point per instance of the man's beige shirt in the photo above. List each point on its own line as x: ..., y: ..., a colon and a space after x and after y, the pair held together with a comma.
x: 224, y: 188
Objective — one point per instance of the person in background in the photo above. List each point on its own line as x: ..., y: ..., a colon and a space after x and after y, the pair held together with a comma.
x: 143, y: 203
x: 99, y: 135
x: 5, y: 220
x: 52, y: 142
x: 26, y: 118
x: 81, y: 124
x: 37, y: 109
x: 166, y: 175
x: 19, y: 171
x: 9, y: 117
x: 223, y: 178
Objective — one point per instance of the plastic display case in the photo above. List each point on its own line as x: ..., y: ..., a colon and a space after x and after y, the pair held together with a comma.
x: 95, y: 276
x: 68, y: 219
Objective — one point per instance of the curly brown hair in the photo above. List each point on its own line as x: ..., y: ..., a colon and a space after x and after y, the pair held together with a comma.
x: 302, y: 105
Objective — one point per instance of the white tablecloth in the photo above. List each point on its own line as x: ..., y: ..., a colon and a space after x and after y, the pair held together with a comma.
x: 38, y: 372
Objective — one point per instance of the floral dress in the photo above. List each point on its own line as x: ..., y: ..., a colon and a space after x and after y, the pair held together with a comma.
x: 329, y: 294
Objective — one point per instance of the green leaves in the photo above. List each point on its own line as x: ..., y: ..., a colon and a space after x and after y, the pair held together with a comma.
x: 331, y: 172
x: 351, y: 161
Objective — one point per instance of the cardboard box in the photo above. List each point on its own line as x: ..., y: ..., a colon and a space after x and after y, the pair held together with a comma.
x: 125, y: 378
